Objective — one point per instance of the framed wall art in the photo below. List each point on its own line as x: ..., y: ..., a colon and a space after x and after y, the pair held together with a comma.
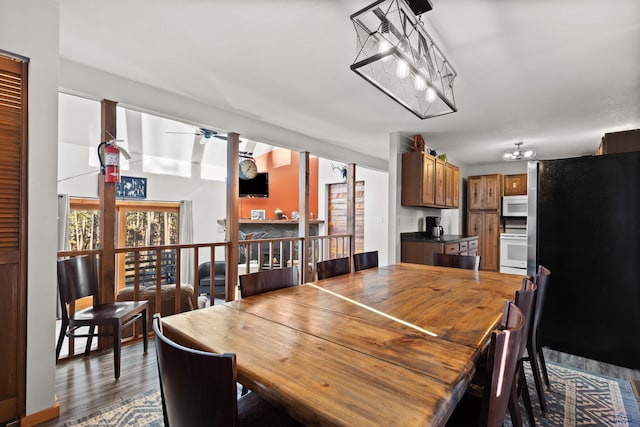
x: 131, y: 187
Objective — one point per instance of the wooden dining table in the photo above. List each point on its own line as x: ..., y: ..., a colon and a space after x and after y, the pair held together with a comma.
x: 387, y: 346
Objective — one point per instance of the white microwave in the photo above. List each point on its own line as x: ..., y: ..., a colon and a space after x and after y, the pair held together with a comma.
x: 514, y: 206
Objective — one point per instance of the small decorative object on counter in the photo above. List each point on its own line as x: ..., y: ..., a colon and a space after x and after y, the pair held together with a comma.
x: 295, y: 215
x: 278, y: 212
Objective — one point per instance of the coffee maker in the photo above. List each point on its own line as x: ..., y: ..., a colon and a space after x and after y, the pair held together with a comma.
x: 433, y: 227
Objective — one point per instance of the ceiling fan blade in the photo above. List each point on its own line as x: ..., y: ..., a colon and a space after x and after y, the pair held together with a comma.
x: 185, y: 133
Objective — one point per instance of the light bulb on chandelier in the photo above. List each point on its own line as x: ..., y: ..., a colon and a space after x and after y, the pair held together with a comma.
x: 519, y: 153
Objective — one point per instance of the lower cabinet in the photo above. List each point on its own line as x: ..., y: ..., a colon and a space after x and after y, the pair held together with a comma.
x: 486, y: 225
x: 418, y: 252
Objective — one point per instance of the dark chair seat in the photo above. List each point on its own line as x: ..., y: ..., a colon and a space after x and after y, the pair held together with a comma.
x: 78, y: 278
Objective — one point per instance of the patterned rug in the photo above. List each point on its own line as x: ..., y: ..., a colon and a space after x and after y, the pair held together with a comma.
x: 576, y: 399
x: 580, y: 398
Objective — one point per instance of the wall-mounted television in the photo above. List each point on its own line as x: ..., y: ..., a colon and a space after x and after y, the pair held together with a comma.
x: 256, y: 187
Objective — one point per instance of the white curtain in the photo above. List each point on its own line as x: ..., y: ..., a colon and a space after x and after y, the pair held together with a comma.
x: 63, y: 234
x: 186, y: 236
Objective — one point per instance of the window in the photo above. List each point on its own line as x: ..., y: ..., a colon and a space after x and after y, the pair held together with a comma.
x: 140, y: 224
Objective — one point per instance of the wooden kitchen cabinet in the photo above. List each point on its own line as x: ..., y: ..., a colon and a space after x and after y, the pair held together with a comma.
x: 421, y: 252
x: 486, y: 225
x: 484, y: 196
x: 428, y: 181
x: 418, y: 180
x: 620, y: 142
x: 440, y: 188
x: 452, y: 186
x: 515, y: 185
x: 484, y: 191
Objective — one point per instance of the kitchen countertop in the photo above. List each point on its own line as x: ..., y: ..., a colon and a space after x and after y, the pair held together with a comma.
x: 421, y: 236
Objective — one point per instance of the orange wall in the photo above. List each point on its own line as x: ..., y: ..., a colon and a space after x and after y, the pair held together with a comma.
x: 283, y: 168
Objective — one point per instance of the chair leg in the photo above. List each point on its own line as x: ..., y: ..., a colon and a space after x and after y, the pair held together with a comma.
x: 543, y: 366
x: 526, y: 398
x: 117, y: 342
x: 514, y: 408
x: 533, y: 360
x: 63, y: 332
x: 87, y: 348
x: 145, y: 331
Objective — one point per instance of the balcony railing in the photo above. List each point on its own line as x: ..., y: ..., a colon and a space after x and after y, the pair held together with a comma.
x: 140, y: 267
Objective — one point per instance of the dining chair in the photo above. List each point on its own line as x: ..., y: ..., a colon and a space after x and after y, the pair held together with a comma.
x: 198, y: 388
x: 333, y: 267
x: 525, y: 300
x: 500, y: 369
x: 535, y: 356
x: 470, y: 262
x: 364, y: 260
x: 78, y: 278
x: 267, y: 280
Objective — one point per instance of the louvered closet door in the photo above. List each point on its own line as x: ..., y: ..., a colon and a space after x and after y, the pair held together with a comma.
x: 13, y: 215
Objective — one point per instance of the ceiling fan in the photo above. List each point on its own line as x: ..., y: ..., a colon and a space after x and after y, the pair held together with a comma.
x: 206, y: 134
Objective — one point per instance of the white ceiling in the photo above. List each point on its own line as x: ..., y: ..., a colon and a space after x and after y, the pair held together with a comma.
x: 555, y: 74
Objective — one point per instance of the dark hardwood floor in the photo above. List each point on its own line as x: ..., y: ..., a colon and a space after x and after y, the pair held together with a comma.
x: 85, y: 385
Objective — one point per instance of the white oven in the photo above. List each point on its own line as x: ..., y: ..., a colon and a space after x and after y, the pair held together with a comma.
x: 513, y: 253
x: 514, y: 206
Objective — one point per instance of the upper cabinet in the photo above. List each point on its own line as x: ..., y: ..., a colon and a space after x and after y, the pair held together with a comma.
x: 515, y: 185
x: 428, y: 181
x: 620, y: 142
x: 484, y: 191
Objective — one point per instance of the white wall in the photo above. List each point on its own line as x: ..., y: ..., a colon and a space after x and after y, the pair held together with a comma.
x: 31, y: 28
x: 375, y: 204
x: 505, y: 168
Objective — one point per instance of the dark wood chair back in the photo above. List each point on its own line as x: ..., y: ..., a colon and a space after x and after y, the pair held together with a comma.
x: 470, y: 262
x: 542, y: 282
x: 78, y: 278
x: 267, y: 280
x: 525, y: 299
x: 197, y: 388
x: 502, y: 363
x: 365, y: 260
x: 333, y: 267
x: 535, y: 355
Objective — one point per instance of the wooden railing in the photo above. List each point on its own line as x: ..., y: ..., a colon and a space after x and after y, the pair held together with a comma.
x: 144, y: 263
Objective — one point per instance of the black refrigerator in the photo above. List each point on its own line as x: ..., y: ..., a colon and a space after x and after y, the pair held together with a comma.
x: 584, y: 225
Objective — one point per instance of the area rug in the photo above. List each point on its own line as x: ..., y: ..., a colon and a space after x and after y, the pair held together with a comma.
x: 144, y: 410
x: 580, y: 398
x: 576, y: 399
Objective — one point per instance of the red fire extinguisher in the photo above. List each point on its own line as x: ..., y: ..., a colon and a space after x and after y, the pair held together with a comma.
x: 110, y: 165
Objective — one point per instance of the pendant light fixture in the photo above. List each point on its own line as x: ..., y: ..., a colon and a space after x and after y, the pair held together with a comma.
x: 519, y: 153
x: 396, y: 55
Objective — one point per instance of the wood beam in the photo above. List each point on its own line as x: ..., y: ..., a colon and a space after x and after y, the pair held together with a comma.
x: 303, y: 209
x: 351, y: 208
x: 107, y: 191
x: 231, y: 223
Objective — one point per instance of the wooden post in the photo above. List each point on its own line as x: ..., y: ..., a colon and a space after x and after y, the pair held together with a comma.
x: 232, y: 226
x: 107, y: 191
x: 303, y: 209
x: 351, y: 208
